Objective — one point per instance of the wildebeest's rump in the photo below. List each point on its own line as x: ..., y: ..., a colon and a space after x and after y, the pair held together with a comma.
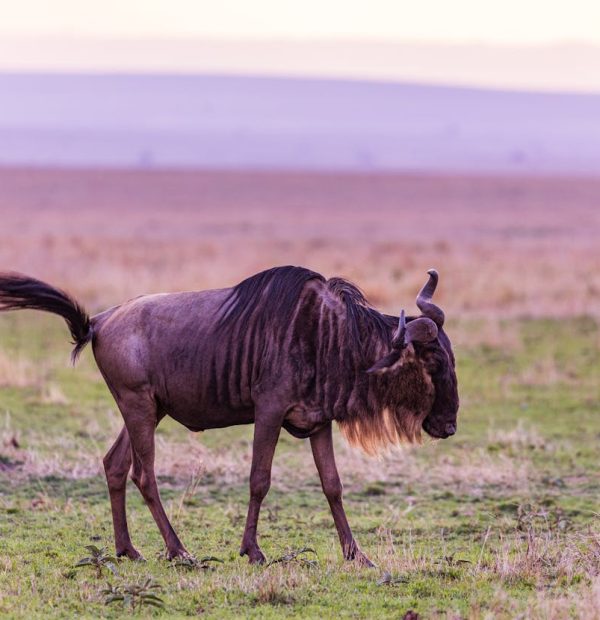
x: 285, y: 348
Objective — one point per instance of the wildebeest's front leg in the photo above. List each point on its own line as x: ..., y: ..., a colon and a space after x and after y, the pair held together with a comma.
x: 117, y: 464
x: 322, y: 449
x: 265, y: 439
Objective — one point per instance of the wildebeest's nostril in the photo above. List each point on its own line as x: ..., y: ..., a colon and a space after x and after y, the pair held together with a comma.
x: 450, y: 429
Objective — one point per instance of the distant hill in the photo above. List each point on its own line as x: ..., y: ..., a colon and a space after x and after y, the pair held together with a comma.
x: 291, y: 123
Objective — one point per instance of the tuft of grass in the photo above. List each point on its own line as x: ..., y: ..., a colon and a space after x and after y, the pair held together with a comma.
x: 387, y: 579
x: 298, y: 556
x: 190, y: 563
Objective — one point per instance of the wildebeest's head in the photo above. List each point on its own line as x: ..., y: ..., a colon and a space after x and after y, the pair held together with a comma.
x: 422, y: 342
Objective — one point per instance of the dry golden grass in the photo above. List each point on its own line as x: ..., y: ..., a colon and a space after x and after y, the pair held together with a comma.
x: 522, y: 436
x: 466, y: 470
x: 504, y: 246
x: 17, y: 372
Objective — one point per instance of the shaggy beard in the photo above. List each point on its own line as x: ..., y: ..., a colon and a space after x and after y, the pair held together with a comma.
x: 386, y: 429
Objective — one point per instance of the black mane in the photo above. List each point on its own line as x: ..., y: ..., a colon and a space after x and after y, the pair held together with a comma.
x: 358, y: 310
x: 283, y: 286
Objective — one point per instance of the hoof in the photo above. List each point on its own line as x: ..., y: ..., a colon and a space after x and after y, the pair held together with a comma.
x: 361, y: 560
x: 132, y: 554
x: 364, y: 562
x: 255, y: 556
x: 180, y: 554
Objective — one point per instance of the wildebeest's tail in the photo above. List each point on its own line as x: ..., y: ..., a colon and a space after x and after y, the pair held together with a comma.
x: 19, y: 292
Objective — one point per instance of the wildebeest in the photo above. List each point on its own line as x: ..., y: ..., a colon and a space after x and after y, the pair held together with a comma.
x: 285, y: 348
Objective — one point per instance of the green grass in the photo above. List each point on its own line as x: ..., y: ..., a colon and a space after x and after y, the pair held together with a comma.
x: 501, y: 520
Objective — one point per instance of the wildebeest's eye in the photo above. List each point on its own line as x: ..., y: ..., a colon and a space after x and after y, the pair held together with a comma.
x: 432, y: 364
x: 434, y: 360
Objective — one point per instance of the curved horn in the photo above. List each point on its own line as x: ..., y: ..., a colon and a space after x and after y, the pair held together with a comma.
x: 399, y: 338
x: 424, y: 303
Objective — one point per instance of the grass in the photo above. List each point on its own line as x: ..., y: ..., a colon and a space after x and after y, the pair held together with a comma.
x: 500, y: 521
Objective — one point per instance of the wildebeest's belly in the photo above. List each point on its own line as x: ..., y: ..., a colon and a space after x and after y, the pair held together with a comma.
x: 200, y: 418
x: 194, y: 403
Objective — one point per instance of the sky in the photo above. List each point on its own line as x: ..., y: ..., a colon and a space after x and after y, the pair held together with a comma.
x: 514, y: 44
x: 509, y: 21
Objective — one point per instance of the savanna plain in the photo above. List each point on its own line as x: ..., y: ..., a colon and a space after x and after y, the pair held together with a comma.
x: 500, y: 521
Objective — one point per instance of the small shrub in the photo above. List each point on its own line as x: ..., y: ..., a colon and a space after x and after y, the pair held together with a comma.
x: 99, y: 560
x: 134, y: 596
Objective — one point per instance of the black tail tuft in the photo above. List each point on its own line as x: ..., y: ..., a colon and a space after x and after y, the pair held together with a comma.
x: 19, y: 292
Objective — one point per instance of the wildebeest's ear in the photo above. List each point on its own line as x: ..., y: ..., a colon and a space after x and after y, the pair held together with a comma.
x: 385, y: 363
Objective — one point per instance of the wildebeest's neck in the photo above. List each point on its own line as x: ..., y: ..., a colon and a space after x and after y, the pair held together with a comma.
x: 331, y: 342
x: 344, y: 336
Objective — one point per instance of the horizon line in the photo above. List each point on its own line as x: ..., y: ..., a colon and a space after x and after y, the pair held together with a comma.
x: 296, y: 77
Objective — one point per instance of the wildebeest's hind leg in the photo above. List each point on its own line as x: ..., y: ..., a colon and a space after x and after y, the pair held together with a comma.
x: 265, y: 439
x: 117, y: 464
x: 322, y: 449
x: 141, y: 418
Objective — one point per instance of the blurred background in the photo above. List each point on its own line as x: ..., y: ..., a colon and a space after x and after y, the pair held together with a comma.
x: 165, y: 145
x: 162, y: 145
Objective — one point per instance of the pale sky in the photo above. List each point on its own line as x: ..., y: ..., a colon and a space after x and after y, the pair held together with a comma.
x: 517, y: 44
x: 489, y: 21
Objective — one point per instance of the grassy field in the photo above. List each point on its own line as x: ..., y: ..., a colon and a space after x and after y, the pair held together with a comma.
x: 500, y: 521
